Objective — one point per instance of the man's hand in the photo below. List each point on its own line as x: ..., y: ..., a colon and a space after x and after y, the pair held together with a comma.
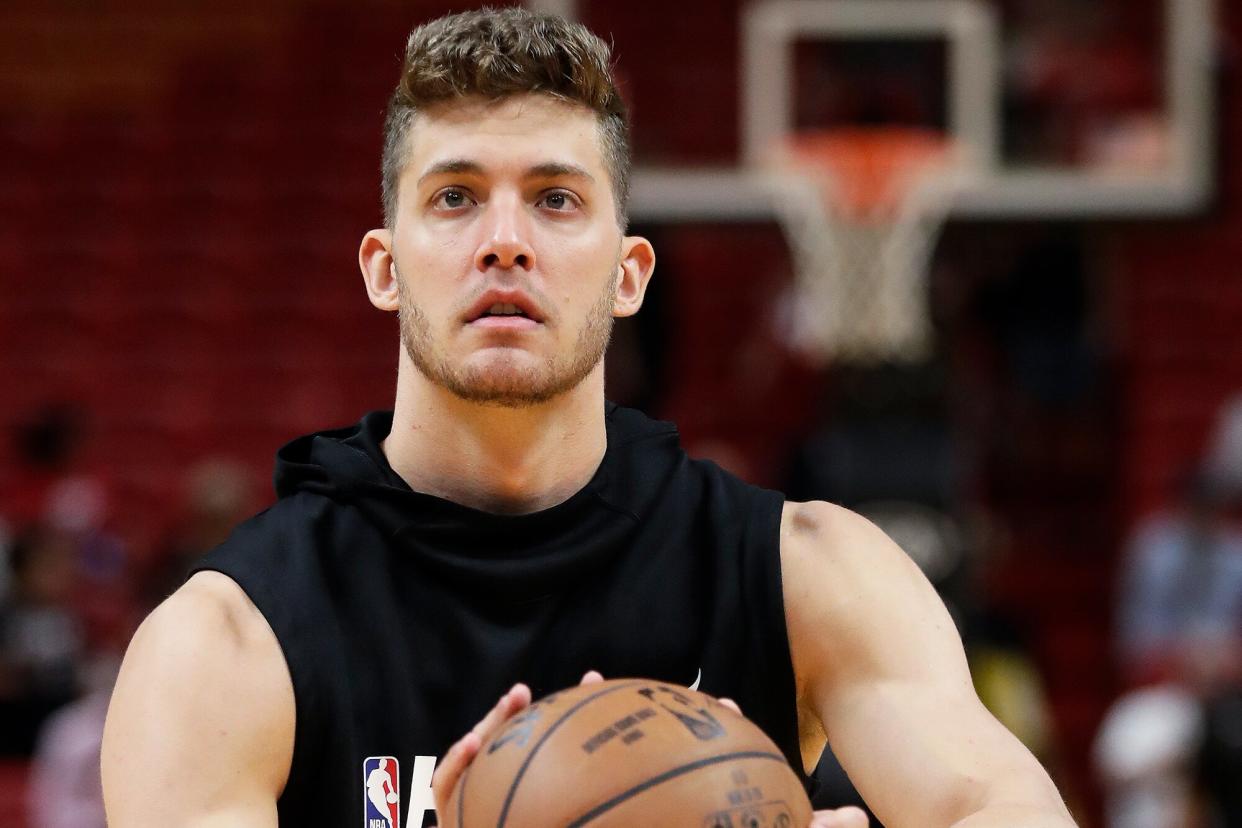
x: 462, y: 753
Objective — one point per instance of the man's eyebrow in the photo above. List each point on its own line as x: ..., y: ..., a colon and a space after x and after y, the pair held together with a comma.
x: 548, y: 169
x: 451, y: 166
x: 558, y: 169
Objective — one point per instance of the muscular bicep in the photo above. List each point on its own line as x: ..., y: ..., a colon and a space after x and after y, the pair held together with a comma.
x: 200, y: 728
x: 880, y: 661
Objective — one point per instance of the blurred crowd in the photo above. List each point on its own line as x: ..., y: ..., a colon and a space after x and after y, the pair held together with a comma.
x: 1169, y: 751
x: 72, y: 591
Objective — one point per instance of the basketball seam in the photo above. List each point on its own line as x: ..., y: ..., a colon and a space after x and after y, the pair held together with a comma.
x: 504, y: 811
x: 681, y: 770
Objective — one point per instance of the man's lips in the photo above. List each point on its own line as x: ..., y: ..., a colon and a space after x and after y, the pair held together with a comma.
x: 504, y: 323
x: 480, y: 311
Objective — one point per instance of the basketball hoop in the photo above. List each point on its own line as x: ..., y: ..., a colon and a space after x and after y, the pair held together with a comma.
x: 861, y: 209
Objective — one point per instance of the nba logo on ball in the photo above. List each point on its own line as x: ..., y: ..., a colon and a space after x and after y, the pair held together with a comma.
x: 381, y: 796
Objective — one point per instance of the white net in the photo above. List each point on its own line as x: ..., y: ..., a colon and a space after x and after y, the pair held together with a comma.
x: 861, y: 211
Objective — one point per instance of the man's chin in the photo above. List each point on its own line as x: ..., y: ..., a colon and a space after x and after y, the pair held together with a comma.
x: 504, y: 377
x: 506, y: 385
x: 504, y: 395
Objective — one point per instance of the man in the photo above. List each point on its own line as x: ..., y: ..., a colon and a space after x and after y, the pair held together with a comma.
x: 505, y: 524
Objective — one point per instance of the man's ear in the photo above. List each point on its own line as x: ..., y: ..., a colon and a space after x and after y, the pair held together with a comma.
x: 379, y: 269
x: 633, y: 273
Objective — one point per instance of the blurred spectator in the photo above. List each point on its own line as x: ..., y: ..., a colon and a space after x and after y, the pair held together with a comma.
x: 1077, y: 81
x: 1169, y: 754
x: 1145, y: 755
x: 1182, y: 584
x: 41, y: 641
x: 65, y: 788
x: 49, y: 488
x: 218, y: 494
x: 1225, y: 451
x: 47, y: 446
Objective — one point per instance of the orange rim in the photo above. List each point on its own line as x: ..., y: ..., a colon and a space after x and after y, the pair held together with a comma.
x: 870, y: 170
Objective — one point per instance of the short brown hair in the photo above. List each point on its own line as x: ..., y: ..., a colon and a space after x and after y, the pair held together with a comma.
x: 495, y: 53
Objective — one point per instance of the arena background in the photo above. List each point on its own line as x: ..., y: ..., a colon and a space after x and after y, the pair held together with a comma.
x: 183, y: 187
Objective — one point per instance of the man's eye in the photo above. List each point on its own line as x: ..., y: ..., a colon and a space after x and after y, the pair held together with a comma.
x: 451, y: 199
x: 558, y: 201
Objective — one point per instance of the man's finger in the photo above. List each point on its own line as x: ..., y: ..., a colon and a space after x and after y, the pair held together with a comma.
x: 592, y: 677
x: 461, y: 754
x: 451, y: 768
x: 848, y: 817
x: 731, y: 704
x: 517, y: 698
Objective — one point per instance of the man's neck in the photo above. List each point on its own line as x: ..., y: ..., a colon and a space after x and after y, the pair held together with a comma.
x: 496, y: 459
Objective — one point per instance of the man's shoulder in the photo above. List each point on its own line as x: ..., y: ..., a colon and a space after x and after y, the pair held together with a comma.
x: 194, y: 656
x: 197, y: 636
x: 841, y: 552
x: 845, y: 581
x: 819, y: 527
x: 292, y: 510
x: 212, y: 609
x: 286, y: 524
x: 280, y: 558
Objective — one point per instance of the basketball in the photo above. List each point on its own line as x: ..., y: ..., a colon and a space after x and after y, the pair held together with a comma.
x: 628, y: 752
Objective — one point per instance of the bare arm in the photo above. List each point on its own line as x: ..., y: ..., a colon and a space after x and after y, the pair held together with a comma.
x: 200, y: 729
x: 880, y: 664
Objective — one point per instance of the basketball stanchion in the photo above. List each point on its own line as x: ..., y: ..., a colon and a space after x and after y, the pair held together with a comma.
x: 861, y: 209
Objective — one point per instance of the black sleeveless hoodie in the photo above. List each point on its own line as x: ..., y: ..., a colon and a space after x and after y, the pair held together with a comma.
x: 404, y: 617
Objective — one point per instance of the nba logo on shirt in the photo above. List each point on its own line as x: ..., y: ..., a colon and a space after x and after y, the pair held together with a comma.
x: 382, y: 805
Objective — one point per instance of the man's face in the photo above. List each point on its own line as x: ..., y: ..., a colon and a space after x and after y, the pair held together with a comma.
x: 502, y: 207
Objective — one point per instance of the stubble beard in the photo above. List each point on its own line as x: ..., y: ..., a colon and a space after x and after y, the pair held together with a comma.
x: 504, y: 382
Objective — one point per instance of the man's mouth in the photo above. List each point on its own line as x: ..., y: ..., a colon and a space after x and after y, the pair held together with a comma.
x: 503, y: 316
x: 504, y: 310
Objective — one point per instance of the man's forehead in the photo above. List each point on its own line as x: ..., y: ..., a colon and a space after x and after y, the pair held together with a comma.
x: 534, y: 133
x: 470, y: 108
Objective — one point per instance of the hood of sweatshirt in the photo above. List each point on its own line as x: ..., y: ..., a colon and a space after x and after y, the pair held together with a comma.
x: 517, y: 555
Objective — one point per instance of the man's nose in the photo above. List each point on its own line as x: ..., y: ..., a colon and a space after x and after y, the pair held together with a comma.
x: 506, y: 240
